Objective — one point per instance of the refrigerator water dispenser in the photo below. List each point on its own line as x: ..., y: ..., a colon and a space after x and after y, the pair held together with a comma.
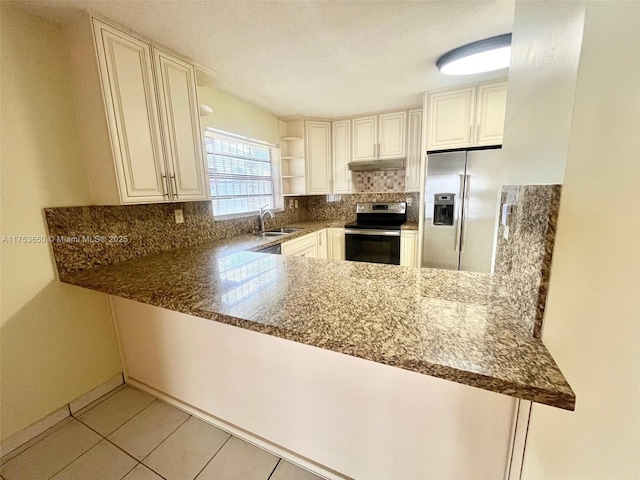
x: 443, y: 204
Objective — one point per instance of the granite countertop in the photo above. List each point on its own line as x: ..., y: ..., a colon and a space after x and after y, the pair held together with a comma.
x: 446, y: 324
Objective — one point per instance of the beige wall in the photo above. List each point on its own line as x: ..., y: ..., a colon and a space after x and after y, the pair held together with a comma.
x: 235, y: 115
x: 542, y: 80
x: 592, y: 325
x: 56, y: 341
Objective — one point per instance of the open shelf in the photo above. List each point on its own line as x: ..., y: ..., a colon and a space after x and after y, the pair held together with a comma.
x: 292, y: 156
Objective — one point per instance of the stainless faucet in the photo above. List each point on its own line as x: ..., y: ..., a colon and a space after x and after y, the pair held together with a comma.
x: 261, y: 214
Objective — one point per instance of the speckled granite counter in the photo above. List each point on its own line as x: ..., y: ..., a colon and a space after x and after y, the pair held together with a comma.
x: 410, y: 226
x: 445, y: 324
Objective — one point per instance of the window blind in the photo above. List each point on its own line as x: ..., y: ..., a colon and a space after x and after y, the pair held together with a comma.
x: 240, y: 175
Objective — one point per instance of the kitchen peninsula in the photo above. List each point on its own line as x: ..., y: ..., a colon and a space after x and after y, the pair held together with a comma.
x: 351, y: 369
x: 450, y: 325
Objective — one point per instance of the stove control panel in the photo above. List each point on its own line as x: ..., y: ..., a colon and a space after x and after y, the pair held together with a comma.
x: 370, y: 207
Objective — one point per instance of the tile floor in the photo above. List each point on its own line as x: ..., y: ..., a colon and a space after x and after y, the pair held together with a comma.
x: 132, y: 436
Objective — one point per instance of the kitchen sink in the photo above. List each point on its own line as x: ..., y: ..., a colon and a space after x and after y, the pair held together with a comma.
x: 270, y: 234
x: 285, y: 230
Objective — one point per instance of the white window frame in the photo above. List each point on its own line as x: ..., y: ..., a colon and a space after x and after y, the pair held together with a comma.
x: 276, y: 175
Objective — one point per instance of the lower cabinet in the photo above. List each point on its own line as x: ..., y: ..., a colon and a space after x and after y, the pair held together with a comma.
x: 321, y: 243
x: 409, y: 248
x: 305, y: 246
x: 335, y: 243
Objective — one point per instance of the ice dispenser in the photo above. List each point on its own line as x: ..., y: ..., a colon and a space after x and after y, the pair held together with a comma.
x: 443, y: 204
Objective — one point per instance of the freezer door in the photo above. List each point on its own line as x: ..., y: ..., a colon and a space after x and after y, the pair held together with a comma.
x: 445, y: 175
x: 480, y: 210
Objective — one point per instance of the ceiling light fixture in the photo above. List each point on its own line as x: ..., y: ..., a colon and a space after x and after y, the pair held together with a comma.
x: 482, y: 56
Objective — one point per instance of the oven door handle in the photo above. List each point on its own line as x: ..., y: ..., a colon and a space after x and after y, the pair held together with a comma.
x: 376, y: 233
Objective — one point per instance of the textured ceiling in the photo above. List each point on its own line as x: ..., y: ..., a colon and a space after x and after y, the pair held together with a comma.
x: 313, y: 58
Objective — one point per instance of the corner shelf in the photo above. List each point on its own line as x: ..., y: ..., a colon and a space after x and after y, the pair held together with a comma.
x: 292, y: 156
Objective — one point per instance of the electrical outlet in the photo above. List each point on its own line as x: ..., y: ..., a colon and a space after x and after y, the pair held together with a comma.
x: 296, y: 203
x: 179, y: 215
x: 291, y: 203
x: 409, y: 201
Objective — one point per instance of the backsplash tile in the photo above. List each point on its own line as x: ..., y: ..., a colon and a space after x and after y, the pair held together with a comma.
x: 380, y: 181
x: 89, y: 237
x: 523, y: 260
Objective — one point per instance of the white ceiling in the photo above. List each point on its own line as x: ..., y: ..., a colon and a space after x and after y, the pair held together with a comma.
x: 313, y: 58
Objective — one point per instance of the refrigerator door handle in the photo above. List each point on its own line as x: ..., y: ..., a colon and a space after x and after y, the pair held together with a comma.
x: 456, y: 245
x: 465, y: 212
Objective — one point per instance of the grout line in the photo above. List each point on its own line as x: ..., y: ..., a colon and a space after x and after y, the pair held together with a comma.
x: 165, y: 438
x: 98, y: 401
x: 126, y: 421
x: 217, y: 451
x: 129, y: 471
x: 274, y: 469
x: 34, y: 441
x: 77, y: 458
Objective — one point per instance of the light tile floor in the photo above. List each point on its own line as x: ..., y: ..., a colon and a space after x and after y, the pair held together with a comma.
x: 132, y: 436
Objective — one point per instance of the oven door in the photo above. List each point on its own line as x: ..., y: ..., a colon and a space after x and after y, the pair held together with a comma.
x: 375, y: 246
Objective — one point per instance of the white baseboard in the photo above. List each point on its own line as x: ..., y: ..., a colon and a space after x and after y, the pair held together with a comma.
x: 240, y: 433
x: 96, y: 393
x: 9, y: 445
x: 23, y: 436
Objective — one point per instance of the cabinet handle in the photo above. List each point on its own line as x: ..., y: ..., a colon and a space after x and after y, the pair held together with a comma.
x: 165, y: 187
x: 175, y: 184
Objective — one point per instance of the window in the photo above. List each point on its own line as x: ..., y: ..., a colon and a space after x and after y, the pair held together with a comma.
x: 242, y: 174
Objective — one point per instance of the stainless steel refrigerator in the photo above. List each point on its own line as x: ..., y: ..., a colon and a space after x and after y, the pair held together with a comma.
x: 461, y: 207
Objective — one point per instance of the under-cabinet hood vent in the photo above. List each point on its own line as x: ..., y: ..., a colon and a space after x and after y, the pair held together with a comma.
x: 376, y: 165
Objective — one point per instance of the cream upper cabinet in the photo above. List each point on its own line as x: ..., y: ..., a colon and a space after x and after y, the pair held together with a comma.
x: 365, y: 138
x: 321, y: 243
x: 341, y: 154
x: 450, y: 118
x: 138, y: 114
x: 126, y: 71
x: 490, y: 113
x: 335, y: 243
x: 391, y: 135
x: 414, y: 151
x: 379, y: 136
x: 318, y: 154
x: 179, y: 113
x: 466, y: 117
x: 409, y: 248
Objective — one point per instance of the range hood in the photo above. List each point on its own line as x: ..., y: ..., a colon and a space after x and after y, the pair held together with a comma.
x: 376, y: 165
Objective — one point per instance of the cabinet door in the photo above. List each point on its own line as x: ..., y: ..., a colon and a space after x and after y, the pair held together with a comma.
x: 364, y: 140
x: 318, y: 144
x: 341, y: 142
x: 302, y: 246
x: 178, y: 106
x: 130, y: 100
x: 391, y: 136
x: 409, y: 248
x: 414, y: 152
x: 335, y: 243
x: 450, y: 119
x: 321, y: 243
x: 490, y: 112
